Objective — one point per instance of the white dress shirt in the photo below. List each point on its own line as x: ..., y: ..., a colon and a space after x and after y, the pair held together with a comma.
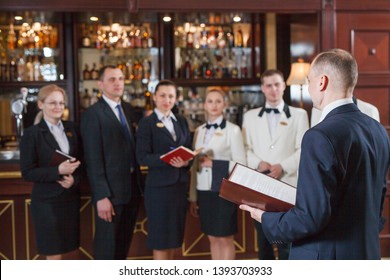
x: 167, y: 121
x: 59, y: 135
x: 273, y: 118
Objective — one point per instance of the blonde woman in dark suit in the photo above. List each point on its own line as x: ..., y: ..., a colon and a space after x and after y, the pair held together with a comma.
x: 55, y: 196
x: 223, y: 146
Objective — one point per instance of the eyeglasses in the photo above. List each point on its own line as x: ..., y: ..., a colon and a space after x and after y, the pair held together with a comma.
x: 54, y: 104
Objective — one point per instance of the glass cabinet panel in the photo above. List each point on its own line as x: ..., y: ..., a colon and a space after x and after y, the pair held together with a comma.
x: 29, y: 49
x: 123, y: 40
x: 213, y: 46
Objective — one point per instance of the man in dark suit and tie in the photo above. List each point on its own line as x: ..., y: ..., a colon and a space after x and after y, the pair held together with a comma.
x: 113, y: 173
x: 342, y: 173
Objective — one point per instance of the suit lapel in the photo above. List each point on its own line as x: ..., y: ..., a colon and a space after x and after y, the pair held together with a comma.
x: 110, y: 114
x: 70, y: 137
x: 47, y: 135
x: 161, y: 127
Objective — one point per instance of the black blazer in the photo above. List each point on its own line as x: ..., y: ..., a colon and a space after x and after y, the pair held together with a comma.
x: 108, y: 154
x: 154, y: 140
x: 37, y: 147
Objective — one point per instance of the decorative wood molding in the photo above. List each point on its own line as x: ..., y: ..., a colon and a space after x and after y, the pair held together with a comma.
x: 232, y: 5
x: 132, y: 6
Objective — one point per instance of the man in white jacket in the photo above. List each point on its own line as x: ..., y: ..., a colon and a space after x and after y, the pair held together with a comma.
x: 272, y: 137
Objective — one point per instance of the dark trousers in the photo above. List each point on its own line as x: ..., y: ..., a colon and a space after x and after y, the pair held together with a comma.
x: 266, y: 250
x: 112, y: 240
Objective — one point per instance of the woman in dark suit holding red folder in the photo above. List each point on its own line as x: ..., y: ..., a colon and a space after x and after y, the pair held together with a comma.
x: 55, y: 195
x: 166, y: 184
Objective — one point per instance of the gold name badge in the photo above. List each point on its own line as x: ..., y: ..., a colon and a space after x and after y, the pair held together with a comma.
x: 283, y: 123
x: 160, y: 124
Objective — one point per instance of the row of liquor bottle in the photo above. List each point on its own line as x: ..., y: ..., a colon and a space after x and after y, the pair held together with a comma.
x: 28, y: 36
x: 216, y: 64
x: 212, y: 37
x: 133, y: 68
x: 139, y: 98
x: 29, y: 68
x: 117, y: 36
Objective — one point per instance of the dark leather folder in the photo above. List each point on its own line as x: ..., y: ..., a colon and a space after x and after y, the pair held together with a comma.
x: 240, y: 194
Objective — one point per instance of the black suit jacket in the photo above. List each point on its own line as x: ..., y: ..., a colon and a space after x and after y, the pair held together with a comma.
x: 37, y: 147
x: 341, y: 190
x: 154, y: 140
x: 108, y: 154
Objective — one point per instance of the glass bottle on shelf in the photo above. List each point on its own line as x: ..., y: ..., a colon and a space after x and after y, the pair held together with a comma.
x: 86, y: 73
x: 37, y: 69
x: 94, y: 72
x: 213, y: 44
x: 21, y: 69
x: 86, y: 40
x: 13, y: 71
x: 11, y: 39
x: 239, y: 38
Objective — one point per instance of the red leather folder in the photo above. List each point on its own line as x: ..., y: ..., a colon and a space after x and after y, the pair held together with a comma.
x: 182, y: 152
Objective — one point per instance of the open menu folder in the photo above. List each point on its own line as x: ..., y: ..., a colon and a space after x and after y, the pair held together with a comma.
x: 182, y: 152
x: 249, y: 186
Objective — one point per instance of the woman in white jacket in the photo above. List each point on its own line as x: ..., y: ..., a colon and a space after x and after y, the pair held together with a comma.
x: 223, y: 146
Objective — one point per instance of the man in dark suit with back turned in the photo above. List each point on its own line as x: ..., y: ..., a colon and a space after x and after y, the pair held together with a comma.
x: 342, y: 173
x: 107, y: 133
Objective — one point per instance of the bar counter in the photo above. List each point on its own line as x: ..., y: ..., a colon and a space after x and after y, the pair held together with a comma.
x: 17, y: 233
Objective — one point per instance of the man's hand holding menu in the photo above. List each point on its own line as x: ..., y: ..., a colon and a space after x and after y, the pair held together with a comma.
x: 257, y: 192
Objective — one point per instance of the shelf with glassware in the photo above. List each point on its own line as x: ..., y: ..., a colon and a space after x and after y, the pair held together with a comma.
x: 132, y: 49
x: 29, y: 54
x: 215, y: 54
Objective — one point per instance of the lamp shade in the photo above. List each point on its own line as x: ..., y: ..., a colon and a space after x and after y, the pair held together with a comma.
x: 298, y: 73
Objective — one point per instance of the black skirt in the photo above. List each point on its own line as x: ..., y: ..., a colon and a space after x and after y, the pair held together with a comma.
x: 166, y: 209
x: 57, y: 223
x: 218, y: 217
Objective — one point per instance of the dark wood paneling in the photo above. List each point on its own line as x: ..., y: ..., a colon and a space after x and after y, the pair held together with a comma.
x: 379, y: 97
x: 233, y: 5
x: 68, y: 5
x: 362, y: 5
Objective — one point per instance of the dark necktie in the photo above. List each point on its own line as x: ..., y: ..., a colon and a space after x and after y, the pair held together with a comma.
x: 269, y: 110
x: 208, y: 126
x: 127, y: 133
x: 123, y: 123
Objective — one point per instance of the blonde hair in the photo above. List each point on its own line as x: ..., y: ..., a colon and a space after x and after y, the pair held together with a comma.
x: 216, y: 89
x: 45, y: 91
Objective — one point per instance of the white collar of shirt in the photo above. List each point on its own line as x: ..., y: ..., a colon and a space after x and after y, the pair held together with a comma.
x: 210, y: 132
x: 51, y: 126
x: 161, y: 116
x: 112, y: 105
x: 217, y: 121
x: 167, y: 121
x: 333, y: 105
x: 280, y: 107
x: 58, y: 132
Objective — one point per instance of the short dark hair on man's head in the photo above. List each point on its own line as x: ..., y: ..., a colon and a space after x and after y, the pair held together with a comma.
x: 270, y: 72
x: 103, y: 69
x: 166, y: 83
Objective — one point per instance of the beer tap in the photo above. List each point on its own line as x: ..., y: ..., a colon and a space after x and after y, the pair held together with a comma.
x: 18, y: 107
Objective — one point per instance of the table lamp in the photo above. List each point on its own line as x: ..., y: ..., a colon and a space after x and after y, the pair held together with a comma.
x: 298, y: 76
